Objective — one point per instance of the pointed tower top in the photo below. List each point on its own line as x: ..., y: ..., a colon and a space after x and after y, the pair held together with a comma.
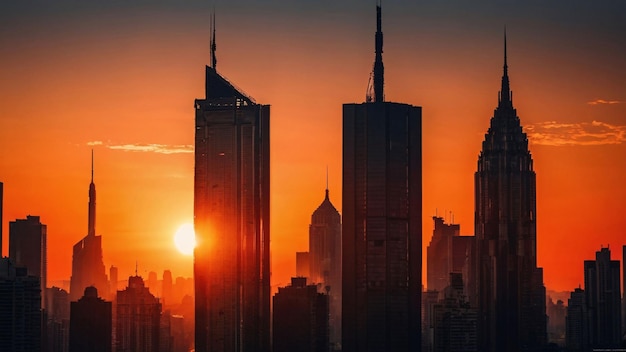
x: 379, y: 69
x: 213, y: 45
x: 91, y: 165
x: 505, y: 99
x: 326, y: 181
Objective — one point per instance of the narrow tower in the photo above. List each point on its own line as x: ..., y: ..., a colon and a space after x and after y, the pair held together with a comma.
x: 509, y: 286
x: 382, y: 221
x: 87, y: 265
x: 379, y: 69
x: 92, y: 204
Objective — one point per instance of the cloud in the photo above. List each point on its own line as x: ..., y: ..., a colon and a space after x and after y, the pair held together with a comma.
x: 152, y: 148
x: 567, y: 134
x: 604, y: 102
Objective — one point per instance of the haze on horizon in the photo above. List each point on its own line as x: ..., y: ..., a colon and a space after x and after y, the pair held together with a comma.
x: 121, y: 78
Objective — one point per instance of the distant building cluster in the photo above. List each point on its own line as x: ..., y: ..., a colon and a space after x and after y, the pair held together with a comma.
x: 94, y: 315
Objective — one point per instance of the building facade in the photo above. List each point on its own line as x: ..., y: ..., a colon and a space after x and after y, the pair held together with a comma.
x: 576, y: 334
x: 28, y: 248
x: 300, y: 320
x: 382, y: 221
x: 20, y: 309
x: 87, y: 265
x: 602, y: 297
x: 509, y: 289
x: 138, y: 318
x: 231, y: 219
x: 91, y: 323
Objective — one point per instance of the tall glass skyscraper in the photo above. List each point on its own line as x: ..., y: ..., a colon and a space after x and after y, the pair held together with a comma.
x: 231, y: 219
x: 382, y: 220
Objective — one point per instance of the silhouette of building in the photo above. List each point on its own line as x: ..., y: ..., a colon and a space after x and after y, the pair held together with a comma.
x: 576, y: 334
x: 1, y: 212
x: 382, y: 220
x: 325, y: 259
x: 624, y: 291
x: 300, y: 318
x: 447, y: 252
x: 20, y: 309
x: 167, y: 288
x: 430, y: 298
x: 455, y: 323
x: 87, y: 265
x: 602, y: 296
x: 138, y: 318
x: 231, y: 218
x: 58, y: 319
x: 91, y: 323
x: 28, y: 248
x: 510, y: 292
x: 556, y: 321
x: 113, y: 280
x: 302, y: 264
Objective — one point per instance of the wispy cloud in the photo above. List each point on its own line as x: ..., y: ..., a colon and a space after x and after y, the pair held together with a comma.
x: 567, y: 134
x: 142, y: 147
x: 604, y: 102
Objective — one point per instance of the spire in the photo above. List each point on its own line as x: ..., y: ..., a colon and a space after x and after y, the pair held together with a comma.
x: 505, y: 98
x: 379, y: 69
x: 326, y: 181
x: 213, y: 46
x: 92, y: 165
x: 91, y: 229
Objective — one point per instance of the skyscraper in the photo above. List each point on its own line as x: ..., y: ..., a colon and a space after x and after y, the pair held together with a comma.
x: 624, y: 290
x: 602, y: 296
x: 1, y: 212
x: 28, y: 248
x: 510, y: 292
x: 300, y: 318
x: 325, y: 259
x: 138, y: 318
x: 91, y: 323
x: 382, y: 220
x: 576, y: 333
x: 87, y: 265
x: 20, y: 309
x: 231, y: 218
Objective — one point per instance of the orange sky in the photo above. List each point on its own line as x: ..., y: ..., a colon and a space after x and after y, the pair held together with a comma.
x: 127, y: 75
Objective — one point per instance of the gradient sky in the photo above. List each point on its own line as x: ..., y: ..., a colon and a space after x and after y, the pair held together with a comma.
x: 121, y: 76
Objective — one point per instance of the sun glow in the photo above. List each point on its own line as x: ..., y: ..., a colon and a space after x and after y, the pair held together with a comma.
x: 185, y: 239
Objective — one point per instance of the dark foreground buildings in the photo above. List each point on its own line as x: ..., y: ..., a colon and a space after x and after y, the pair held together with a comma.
x: 509, y: 287
x: 300, y: 320
x: 138, y: 318
x: 382, y: 221
x: 28, y: 248
x: 20, y: 309
x: 87, y: 265
x: 602, y: 297
x: 231, y: 219
x: 90, y: 323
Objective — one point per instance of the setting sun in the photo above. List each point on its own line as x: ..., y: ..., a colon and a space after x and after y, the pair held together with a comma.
x: 185, y: 239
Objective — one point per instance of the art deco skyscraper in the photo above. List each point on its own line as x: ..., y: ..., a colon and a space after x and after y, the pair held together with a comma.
x: 510, y: 292
x: 231, y: 219
x: 325, y: 259
x: 382, y: 220
x: 87, y: 265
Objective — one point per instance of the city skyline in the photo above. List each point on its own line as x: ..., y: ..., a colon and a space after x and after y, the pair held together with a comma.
x: 568, y: 86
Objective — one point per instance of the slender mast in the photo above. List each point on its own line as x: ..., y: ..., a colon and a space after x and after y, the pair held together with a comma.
x: 91, y: 231
x: 379, y: 69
